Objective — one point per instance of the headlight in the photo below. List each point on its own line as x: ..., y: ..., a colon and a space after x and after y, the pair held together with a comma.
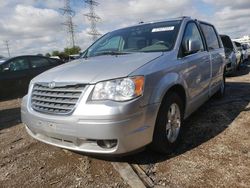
x: 119, y: 89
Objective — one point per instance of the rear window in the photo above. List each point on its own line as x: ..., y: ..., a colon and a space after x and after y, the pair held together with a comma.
x: 211, y: 36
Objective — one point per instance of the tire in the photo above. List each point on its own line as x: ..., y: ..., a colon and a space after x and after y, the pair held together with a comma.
x: 167, y: 135
x: 221, y: 92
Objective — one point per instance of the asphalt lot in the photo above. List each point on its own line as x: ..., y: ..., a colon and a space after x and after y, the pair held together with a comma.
x: 215, y: 150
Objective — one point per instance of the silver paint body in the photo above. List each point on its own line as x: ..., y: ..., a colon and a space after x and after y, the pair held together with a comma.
x: 132, y: 122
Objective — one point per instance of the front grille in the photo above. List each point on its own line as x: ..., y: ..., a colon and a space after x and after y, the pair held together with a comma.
x: 61, y: 99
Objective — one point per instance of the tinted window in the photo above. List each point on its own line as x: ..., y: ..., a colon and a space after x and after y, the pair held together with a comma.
x: 191, y: 34
x: 211, y: 37
x: 39, y: 62
x: 143, y: 38
x: 227, y: 43
x: 16, y: 64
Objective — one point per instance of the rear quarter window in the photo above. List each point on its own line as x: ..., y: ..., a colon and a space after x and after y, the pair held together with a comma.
x: 210, y: 36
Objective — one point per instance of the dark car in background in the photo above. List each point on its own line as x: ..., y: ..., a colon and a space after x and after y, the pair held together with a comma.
x: 16, y: 72
x: 239, y: 54
x: 240, y: 47
x: 232, y: 56
x: 247, y: 50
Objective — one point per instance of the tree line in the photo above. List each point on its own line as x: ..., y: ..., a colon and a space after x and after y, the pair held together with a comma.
x: 66, y: 53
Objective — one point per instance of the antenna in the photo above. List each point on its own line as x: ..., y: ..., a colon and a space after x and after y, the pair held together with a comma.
x: 6, y: 42
x: 69, y: 13
x: 93, y: 18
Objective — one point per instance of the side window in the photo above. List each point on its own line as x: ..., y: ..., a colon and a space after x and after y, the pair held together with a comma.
x: 17, y: 64
x: 211, y: 36
x: 37, y: 62
x: 191, y: 34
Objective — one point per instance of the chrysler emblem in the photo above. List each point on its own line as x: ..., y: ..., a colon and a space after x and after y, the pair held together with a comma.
x: 52, y: 85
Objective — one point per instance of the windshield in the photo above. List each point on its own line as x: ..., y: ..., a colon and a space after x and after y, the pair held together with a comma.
x: 152, y: 37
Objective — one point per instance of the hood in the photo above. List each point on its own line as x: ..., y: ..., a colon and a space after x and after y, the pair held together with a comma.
x: 99, y: 68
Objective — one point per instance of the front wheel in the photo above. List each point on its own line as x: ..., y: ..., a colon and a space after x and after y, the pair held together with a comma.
x: 168, y: 125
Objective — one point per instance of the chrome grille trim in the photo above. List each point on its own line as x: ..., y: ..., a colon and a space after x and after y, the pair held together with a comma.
x: 59, y: 100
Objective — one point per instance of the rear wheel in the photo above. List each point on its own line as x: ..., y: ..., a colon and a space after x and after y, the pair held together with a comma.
x: 168, y: 125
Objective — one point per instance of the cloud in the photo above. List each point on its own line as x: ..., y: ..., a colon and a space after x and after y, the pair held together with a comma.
x: 235, y: 4
x: 231, y: 17
x: 123, y: 13
x: 29, y: 27
x: 34, y: 26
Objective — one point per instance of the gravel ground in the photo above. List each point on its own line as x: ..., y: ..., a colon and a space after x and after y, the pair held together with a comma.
x: 214, y: 152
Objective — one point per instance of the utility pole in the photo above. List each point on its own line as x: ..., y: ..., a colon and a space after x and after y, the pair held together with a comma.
x: 93, y: 18
x: 7, y: 46
x: 69, y: 13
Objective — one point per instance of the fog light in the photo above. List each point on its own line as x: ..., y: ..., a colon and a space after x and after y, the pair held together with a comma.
x: 107, y: 144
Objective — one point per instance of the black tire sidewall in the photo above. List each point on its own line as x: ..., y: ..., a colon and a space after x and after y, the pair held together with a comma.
x: 160, y: 141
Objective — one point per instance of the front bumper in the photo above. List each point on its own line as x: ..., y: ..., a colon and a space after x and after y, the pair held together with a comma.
x: 131, y: 125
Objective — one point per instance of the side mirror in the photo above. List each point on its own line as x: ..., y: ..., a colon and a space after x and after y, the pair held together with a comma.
x: 192, y: 46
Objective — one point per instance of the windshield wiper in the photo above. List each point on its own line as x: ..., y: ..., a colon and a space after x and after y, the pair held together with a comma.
x: 111, y: 53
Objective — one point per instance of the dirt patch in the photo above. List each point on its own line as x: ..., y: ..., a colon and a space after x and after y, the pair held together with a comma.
x: 25, y: 162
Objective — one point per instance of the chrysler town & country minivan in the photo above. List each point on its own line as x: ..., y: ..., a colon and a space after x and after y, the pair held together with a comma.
x: 133, y: 87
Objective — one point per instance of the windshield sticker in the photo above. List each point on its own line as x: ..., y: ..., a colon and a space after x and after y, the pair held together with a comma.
x: 160, y: 29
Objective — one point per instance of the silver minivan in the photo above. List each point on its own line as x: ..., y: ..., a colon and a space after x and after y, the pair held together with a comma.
x: 132, y: 88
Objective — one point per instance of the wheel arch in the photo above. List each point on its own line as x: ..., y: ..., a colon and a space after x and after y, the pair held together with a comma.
x: 179, y: 90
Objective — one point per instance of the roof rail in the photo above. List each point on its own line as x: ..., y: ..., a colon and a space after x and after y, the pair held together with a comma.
x: 185, y: 17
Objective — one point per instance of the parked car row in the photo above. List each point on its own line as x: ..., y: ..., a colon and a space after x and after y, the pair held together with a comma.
x: 236, y: 54
x: 243, y: 50
x: 246, y: 48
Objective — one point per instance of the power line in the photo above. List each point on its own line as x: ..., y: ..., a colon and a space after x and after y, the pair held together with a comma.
x: 6, y: 42
x: 93, y: 18
x: 69, y: 13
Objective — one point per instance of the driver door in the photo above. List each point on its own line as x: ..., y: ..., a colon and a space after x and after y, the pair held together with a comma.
x: 197, y: 72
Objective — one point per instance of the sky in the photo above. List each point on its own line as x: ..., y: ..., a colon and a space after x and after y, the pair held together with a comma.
x: 35, y: 26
